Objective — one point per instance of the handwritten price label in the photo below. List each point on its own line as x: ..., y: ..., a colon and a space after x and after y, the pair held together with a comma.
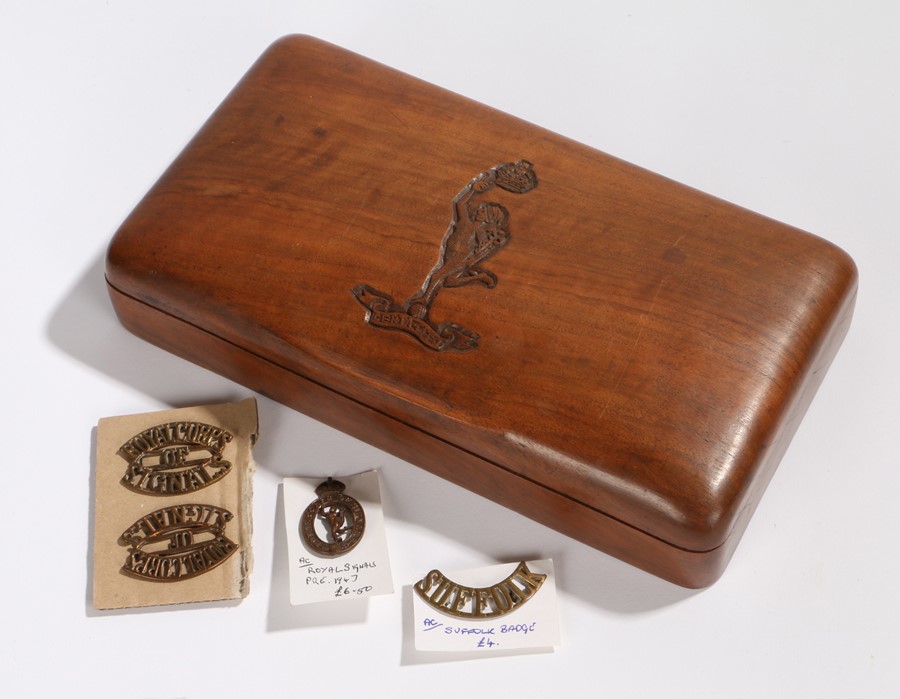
x: 363, y: 572
x: 347, y: 580
x: 533, y: 625
x: 483, y: 636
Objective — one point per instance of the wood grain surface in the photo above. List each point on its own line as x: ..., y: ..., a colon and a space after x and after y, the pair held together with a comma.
x: 645, y: 352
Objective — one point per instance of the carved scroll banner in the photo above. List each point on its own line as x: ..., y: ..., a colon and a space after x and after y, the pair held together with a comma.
x: 172, y: 510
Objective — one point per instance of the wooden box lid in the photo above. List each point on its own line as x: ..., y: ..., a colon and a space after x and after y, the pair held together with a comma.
x: 591, y: 339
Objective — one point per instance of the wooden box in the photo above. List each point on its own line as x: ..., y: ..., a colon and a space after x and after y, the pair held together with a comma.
x: 610, y: 353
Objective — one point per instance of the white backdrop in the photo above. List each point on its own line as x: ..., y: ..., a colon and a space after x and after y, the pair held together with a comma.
x: 791, y: 109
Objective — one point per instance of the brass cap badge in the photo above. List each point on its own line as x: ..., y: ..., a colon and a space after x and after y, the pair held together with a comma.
x: 342, y: 516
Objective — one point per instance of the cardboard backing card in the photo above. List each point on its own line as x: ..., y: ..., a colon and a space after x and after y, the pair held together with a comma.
x: 173, y: 506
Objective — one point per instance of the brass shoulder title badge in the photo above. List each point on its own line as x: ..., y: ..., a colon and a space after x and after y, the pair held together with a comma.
x: 448, y: 597
x: 160, y: 463
x: 177, y: 542
x: 478, y: 229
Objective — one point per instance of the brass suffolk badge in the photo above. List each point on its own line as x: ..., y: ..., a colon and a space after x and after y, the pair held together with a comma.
x: 175, y: 458
x: 448, y: 597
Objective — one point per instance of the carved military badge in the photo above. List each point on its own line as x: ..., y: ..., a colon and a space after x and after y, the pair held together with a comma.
x: 174, y: 458
x: 177, y: 543
x: 477, y: 230
x: 457, y: 600
x: 340, y: 517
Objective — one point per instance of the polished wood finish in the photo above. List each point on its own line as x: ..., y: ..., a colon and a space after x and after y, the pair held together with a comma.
x: 644, y: 352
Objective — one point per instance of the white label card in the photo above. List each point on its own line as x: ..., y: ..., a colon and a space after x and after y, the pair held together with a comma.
x: 533, y: 623
x: 363, y: 571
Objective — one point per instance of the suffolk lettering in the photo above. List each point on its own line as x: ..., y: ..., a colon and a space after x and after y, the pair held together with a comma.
x: 449, y: 597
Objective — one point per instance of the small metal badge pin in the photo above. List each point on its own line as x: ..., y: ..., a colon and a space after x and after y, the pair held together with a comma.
x: 342, y: 518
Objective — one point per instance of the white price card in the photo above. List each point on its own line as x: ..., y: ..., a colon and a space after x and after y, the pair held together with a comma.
x: 362, y: 571
x: 503, y: 607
